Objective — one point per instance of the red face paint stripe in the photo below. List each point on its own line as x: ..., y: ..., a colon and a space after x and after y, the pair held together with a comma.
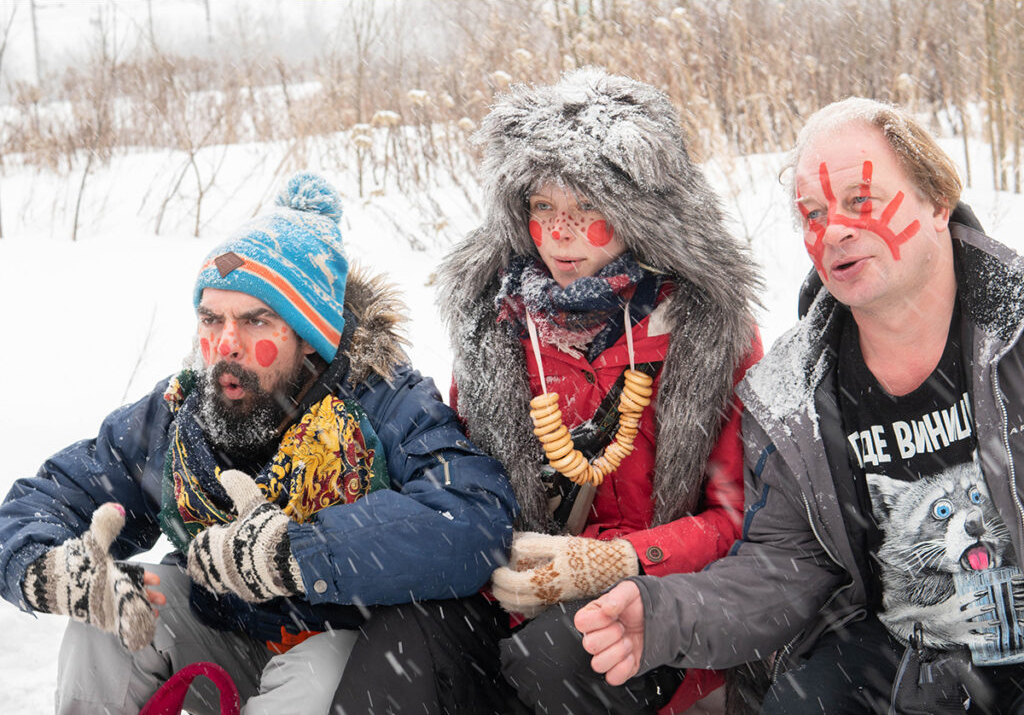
x: 903, y: 237
x: 826, y: 184
x: 892, y: 208
x: 865, y: 189
x: 815, y: 250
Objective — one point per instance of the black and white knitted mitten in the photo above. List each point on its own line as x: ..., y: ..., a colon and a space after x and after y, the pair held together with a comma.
x: 79, y: 579
x: 251, y: 557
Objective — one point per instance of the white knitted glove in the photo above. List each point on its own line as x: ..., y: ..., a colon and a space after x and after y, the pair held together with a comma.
x: 544, y: 570
x: 251, y: 557
x: 79, y: 579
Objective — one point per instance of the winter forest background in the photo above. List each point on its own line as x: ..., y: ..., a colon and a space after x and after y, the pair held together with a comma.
x: 135, y: 134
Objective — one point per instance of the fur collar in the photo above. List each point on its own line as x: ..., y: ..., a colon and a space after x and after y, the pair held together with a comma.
x: 377, y: 345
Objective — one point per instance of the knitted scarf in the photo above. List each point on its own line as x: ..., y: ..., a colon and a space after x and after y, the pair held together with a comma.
x: 331, y: 455
x: 585, y: 316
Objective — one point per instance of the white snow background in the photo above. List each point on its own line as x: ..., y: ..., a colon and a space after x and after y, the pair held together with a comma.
x: 93, y: 324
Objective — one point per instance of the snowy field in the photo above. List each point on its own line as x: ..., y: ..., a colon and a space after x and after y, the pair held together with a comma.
x: 93, y: 324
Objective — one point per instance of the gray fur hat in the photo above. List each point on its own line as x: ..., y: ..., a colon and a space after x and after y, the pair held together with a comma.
x: 616, y: 142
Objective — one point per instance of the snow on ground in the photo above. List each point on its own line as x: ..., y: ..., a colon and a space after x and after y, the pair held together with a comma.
x: 93, y: 324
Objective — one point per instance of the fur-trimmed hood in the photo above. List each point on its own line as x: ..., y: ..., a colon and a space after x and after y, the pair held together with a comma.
x: 377, y: 344
x: 616, y: 142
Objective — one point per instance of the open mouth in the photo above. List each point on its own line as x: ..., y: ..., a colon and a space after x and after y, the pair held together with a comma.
x: 230, y: 387
x: 845, y: 265
x: 976, y: 558
x: 233, y: 383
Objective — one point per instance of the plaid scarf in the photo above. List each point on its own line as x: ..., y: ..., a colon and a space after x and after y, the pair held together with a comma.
x: 584, y: 317
x: 330, y: 456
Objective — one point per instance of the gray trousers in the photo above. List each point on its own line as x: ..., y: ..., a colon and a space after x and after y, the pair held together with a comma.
x: 97, y: 675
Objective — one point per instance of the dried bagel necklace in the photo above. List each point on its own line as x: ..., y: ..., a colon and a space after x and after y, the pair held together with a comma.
x: 555, y: 438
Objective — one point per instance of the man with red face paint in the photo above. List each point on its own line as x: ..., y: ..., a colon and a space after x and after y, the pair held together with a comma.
x: 301, y: 468
x: 880, y: 566
x: 603, y: 238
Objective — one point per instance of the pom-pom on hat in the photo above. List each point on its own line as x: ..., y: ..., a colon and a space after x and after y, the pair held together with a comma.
x: 292, y: 259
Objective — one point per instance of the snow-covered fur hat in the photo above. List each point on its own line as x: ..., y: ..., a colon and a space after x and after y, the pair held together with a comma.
x: 616, y: 142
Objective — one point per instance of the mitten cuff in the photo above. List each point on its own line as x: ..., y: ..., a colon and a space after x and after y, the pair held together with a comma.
x: 286, y: 565
x: 39, y: 586
x: 598, y: 565
x: 270, y: 570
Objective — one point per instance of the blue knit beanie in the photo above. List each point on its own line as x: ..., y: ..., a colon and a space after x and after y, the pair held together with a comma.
x: 292, y: 259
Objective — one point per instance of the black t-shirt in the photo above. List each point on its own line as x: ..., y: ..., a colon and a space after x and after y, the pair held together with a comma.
x: 913, y: 435
x: 905, y: 438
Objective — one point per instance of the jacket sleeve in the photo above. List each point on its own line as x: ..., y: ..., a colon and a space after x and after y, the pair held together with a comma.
x: 691, y: 543
x: 745, y: 606
x: 439, y: 532
x: 57, y: 504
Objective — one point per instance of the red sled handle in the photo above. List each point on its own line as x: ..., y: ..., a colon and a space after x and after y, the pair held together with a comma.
x: 170, y: 698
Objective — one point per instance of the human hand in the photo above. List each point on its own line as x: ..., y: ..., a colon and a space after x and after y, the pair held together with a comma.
x: 544, y: 570
x: 156, y: 598
x: 613, y: 632
x: 250, y: 557
x: 79, y: 579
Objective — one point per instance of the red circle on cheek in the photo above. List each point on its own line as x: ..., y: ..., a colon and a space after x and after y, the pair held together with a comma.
x: 536, y: 232
x: 204, y: 345
x: 600, y: 233
x: 266, y: 352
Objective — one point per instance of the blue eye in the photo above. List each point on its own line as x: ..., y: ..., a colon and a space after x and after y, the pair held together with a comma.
x: 942, y: 509
x: 975, y: 494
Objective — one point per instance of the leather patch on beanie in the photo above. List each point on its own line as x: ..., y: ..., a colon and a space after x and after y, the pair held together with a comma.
x: 227, y: 262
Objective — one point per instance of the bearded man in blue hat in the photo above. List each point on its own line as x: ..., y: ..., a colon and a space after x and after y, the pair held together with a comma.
x: 301, y: 468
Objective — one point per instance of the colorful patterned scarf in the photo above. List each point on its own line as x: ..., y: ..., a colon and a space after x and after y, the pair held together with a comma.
x: 330, y: 456
x: 585, y: 316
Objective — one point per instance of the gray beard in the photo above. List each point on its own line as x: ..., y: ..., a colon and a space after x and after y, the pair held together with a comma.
x: 250, y: 426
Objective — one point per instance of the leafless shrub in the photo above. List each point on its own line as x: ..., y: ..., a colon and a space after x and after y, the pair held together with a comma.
x: 393, y: 93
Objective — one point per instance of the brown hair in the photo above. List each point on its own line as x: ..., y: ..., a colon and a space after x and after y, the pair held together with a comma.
x: 927, y: 166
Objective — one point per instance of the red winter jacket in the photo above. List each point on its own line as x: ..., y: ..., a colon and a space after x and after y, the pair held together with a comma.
x: 623, y: 506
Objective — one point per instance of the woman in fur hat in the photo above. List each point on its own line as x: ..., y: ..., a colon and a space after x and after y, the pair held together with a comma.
x: 604, y: 287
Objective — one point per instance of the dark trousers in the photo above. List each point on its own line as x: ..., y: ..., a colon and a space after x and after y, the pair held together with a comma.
x: 546, y: 663
x: 853, y: 670
x: 428, y: 658
x: 460, y: 656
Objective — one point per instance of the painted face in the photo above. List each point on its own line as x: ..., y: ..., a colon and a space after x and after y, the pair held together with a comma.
x: 573, y: 238
x: 241, y: 330
x: 872, y: 238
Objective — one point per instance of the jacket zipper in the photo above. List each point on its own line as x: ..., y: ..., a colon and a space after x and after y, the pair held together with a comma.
x: 1006, y: 436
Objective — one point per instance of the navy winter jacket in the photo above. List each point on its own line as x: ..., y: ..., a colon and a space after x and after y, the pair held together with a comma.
x: 439, y: 532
